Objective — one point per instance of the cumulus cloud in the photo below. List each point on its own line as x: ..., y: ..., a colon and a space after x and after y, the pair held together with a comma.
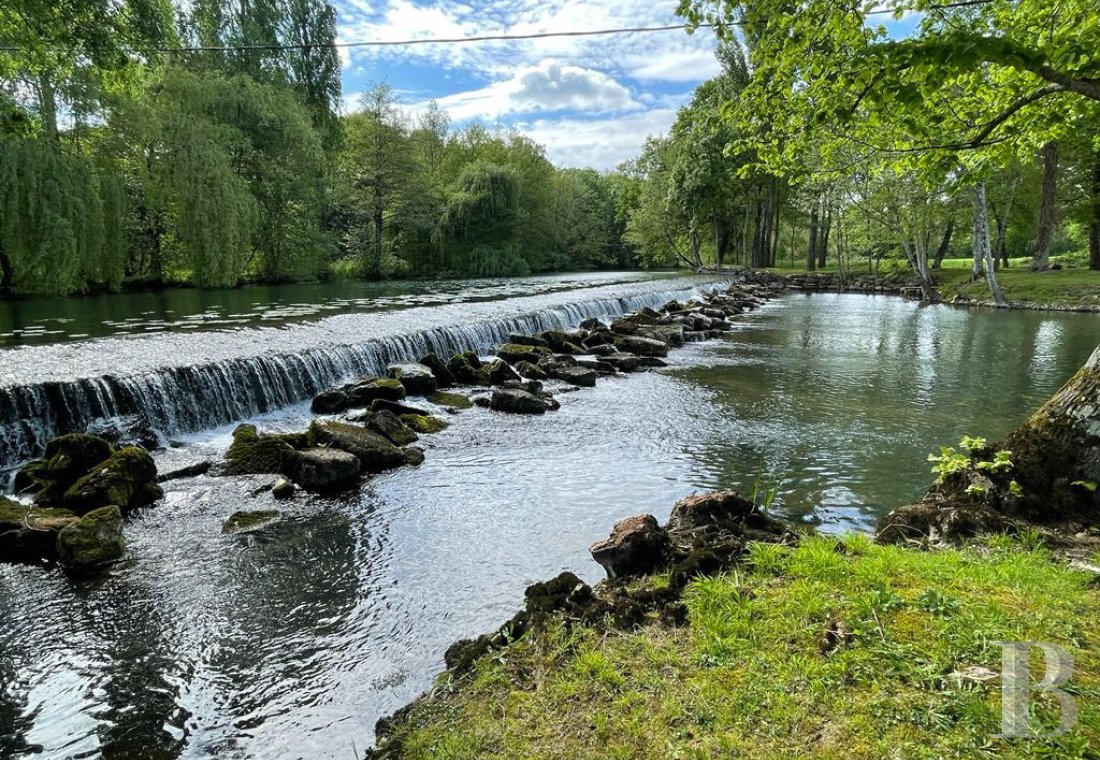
x: 598, y: 143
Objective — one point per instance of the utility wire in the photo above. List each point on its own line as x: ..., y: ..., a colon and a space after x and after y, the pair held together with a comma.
x: 503, y: 36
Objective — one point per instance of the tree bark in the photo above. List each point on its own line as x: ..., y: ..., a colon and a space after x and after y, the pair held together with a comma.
x: 1094, y: 227
x: 823, y: 247
x: 982, y: 251
x: 811, y: 256
x: 945, y: 244
x: 7, y: 272
x: 721, y: 240
x: 1048, y: 209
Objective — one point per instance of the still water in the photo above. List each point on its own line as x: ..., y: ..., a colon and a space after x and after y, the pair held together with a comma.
x: 291, y: 642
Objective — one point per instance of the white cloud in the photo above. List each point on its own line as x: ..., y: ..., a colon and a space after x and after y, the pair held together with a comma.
x: 598, y: 143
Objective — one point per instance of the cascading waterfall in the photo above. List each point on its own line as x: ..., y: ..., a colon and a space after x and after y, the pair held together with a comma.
x: 182, y: 396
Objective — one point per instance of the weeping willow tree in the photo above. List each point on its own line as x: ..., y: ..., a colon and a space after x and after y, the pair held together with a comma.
x: 60, y: 222
x: 479, y: 225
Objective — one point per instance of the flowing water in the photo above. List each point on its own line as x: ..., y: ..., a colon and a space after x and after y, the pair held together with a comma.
x: 291, y: 642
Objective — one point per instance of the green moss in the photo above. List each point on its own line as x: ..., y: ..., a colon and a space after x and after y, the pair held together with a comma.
x: 424, y: 423
x: 93, y: 540
x: 243, y: 522
x: 751, y: 675
x: 255, y: 454
x: 127, y: 479
x: 453, y: 400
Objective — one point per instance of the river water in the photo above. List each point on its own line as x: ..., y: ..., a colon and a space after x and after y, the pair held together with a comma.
x: 291, y: 642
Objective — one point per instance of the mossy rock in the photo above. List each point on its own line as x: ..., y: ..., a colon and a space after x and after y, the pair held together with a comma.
x: 29, y: 534
x: 426, y: 424
x: 255, y: 454
x: 451, y: 400
x: 531, y: 371
x: 246, y: 522
x: 127, y: 480
x: 501, y: 372
x: 384, y: 388
x: 386, y: 423
x: 417, y: 378
x: 93, y: 540
x: 31, y: 477
x: 438, y: 367
x: 513, y: 353
x: 374, y: 452
x: 67, y: 459
x: 466, y: 372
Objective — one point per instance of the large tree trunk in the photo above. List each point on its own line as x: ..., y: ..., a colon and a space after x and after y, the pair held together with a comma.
x: 1094, y: 226
x: 811, y: 255
x: 823, y: 247
x: 1000, y: 249
x: 1048, y: 209
x: 945, y: 244
x: 7, y: 272
x: 722, y: 236
x: 982, y: 253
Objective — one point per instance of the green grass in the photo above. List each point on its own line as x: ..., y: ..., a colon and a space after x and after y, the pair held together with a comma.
x: 748, y: 678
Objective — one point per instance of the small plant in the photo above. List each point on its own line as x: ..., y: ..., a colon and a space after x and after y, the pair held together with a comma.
x: 1088, y: 485
x: 948, y: 462
x: 952, y: 461
x: 764, y: 493
x: 936, y: 603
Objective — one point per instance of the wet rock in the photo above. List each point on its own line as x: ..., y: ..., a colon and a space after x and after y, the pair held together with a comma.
x: 425, y: 423
x: 395, y: 407
x: 67, y: 459
x: 622, y: 362
x: 531, y: 371
x: 247, y: 522
x: 640, y: 346
x: 637, y: 546
x: 127, y: 480
x: 465, y: 372
x: 501, y: 372
x: 516, y: 402
x: 577, y: 375
x: 527, y: 340
x: 562, y: 342
x: 450, y: 400
x: 325, y: 470
x: 255, y: 454
x: 514, y: 353
x: 126, y: 431
x: 417, y: 379
x: 29, y: 534
x: 386, y: 389
x: 330, y: 402
x: 672, y: 335
x: 443, y: 376
x: 534, y: 387
x: 190, y: 471
x: 651, y: 362
x: 387, y: 424
x: 373, y: 451
x: 598, y: 366
x: 283, y: 488
x: 93, y: 540
x: 593, y: 324
x: 602, y: 338
x: 414, y: 456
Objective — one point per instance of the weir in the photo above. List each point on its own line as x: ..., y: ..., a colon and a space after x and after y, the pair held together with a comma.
x: 188, y: 382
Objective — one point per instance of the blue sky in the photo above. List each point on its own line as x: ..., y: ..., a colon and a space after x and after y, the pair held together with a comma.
x: 591, y: 101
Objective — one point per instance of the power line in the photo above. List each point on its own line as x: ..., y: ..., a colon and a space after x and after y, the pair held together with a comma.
x: 501, y: 36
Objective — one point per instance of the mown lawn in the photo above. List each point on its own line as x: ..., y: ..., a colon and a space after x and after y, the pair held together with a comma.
x: 749, y: 677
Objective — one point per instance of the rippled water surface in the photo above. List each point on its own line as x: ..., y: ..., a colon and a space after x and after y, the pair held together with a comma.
x: 291, y: 642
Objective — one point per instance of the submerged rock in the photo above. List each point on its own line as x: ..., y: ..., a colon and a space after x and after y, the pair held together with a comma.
x: 517, y: 402
x: 246, y: 522
x: 414, y: 456
x: 330, y: 402
x: 450, y: 400
x: 127, y: 480
x: 385, y: 388
x: 93, y: 540
x: 443, y: 376
x: 283, y: 488
x: 425, y: 423
x: 324, y: 470
x: 375, y: 453
x: 418, y: 379
x: 636, y: 546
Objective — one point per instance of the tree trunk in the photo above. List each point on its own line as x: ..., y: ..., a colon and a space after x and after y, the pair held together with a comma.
x: 7, y: 272
x: 1048, y: 210
x: 47, y: 107
x: 823, y: 247
x: 376, y: 263
x: 811, y: 256
x: 721, y: 240
x: 945, y: 244
x: 982, y: 252
x: 1094, y: 227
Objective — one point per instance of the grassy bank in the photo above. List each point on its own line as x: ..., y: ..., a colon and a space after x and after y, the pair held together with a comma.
x: 911, y: 671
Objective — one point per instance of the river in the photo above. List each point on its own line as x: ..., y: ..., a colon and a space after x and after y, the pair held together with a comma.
x: 291, y: 642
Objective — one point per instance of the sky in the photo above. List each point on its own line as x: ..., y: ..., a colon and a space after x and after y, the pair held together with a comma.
x: 591, y: 101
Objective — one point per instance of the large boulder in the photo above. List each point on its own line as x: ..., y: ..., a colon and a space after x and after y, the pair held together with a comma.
x: 255, y: 454
x: 66, y: 460
x: 634, y: 344
x: 29, y: 534
x: 621, y: 361
x: 501, y: 372
x: 577, y: 375
x: 513, y: 353
x: 467, y: 370
x: 517, y: 402
x: 93, y: 540
x: 387, y: 424
x: 374, y: 452
x: 636, y: 546
x: 443, y: 376
x: 452, y: 401
x: 418, y: 379
x: 562, y: 342
x: 323, y: 470
x: 127, y: 480
x: 330, y: 402
x: 362, y: 394
x: 531, y: 371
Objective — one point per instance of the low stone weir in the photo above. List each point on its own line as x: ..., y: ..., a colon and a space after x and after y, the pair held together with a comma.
x: 186, y: 382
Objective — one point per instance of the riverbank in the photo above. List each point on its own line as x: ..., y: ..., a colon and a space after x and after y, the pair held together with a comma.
x: 842, y: 649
